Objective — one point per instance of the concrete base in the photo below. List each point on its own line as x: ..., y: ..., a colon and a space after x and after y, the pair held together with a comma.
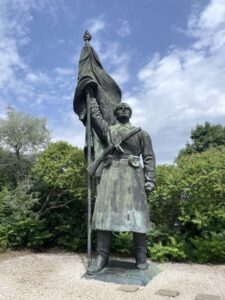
x: 123, y: 272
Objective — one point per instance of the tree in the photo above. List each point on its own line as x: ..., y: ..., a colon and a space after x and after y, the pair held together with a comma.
x: 8, y: 164
x: 188, y: 208
x: 60, y: 177
x: 22, y: 133
x: 60, y: 172
x: 22, y: 137
x: 203, y: 137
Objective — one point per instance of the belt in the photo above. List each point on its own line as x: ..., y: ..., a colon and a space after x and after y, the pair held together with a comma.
x: 118, y: 157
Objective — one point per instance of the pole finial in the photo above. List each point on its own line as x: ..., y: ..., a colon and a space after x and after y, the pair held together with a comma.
x: 87, y: 36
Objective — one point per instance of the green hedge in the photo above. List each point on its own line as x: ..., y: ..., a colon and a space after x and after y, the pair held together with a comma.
x: 187, y: 210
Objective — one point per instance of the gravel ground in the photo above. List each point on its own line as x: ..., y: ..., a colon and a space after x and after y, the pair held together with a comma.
x: 28, y: 276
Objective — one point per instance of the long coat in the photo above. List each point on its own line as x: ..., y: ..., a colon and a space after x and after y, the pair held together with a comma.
x: 121, y: 202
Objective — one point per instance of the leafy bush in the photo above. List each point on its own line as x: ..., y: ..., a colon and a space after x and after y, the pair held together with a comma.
x: 190, y: 204
x: 16, y: 203
x: 4, y: 243
x: 50, y: 208
x: 187, y: 209
x: 60, y: 176
x: 69, y: 226
x: 62, y: 167
x: 209, y: 248
x: 122, y: 243
x: 173, y: 250
x: 19, y: 225
x: 27, y: 232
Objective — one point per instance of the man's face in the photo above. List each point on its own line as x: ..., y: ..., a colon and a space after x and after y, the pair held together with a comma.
x: 123, y: 113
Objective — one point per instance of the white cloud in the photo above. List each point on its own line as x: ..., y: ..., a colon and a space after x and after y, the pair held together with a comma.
x: 37, y: 77
x: 71, y: 130
x: 14, y: 17
x: 74, y: 136
x: 64, y: 71
x: 3, y: 105
x: 124, y: 29
x: 213, y: 15
x: 186, y: 86
x: 96, y: 25
x: 121, y: 75
x: 113, y: 56
x: 19, y: 82
x: 115, y: 60
x: 208, y: 26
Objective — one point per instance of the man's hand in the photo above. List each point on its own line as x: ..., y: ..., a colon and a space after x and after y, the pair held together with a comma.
x: 89, y: 91
x: 149, y: 186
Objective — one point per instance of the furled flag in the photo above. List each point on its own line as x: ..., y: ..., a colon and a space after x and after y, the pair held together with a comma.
x: 91, y: 73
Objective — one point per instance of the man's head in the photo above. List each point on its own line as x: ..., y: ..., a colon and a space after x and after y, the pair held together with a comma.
x: 123, y: 112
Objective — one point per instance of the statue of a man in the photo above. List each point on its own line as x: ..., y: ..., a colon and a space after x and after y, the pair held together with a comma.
x: 121, y: 203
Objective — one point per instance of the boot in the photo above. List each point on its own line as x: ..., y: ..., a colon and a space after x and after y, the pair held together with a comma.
x: 99, y: 263
x: 140, y: 250
x: 103, y: 250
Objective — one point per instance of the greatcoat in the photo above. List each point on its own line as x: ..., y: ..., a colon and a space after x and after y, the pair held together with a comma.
x: 121, y: 202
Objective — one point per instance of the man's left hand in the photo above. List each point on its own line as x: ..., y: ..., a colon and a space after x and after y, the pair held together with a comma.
x: 149, y: 186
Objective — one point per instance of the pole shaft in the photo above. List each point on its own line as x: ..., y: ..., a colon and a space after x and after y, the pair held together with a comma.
x: 89, y: 231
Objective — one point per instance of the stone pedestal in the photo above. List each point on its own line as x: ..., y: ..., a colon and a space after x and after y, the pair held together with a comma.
x: 123, y: 272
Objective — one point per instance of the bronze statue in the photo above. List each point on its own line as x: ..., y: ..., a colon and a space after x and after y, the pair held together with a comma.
x: 122, y: 182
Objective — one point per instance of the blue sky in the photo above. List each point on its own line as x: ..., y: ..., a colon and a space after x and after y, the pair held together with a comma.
x: 168, y: 56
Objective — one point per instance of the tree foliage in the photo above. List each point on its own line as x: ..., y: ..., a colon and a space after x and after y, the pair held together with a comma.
x: 60, y: 176
x: 203, y: 137
x: 12, y: 170
x: 61, y: 169
x: 187, y: 210
x: 189, y: 205
x: 19, y: 225
x: 51, y: 209
x: 22, y: 133
x: 8, y: 163
x: 22, y: 137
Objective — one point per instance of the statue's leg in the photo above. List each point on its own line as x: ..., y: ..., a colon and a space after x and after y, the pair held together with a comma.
x: 140, y: 250
x: 103, y: 251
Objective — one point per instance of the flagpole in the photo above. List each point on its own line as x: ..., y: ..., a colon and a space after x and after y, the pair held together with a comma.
x: 89, y: 179
x: 87, y: 38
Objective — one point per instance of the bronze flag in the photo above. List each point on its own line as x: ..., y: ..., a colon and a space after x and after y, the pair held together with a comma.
x: 91, y: 72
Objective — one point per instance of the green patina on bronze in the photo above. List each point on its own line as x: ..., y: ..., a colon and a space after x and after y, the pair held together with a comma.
x: 121, y: 203
x: 108, y: 94
x: 113, y: 142
x: 91, y: 73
